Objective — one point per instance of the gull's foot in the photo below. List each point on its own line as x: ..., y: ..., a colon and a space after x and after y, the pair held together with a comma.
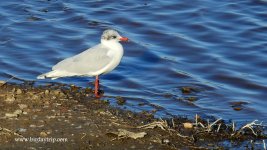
x: 99, y: 94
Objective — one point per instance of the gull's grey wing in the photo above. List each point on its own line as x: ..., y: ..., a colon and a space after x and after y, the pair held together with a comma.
x: 89, y: 61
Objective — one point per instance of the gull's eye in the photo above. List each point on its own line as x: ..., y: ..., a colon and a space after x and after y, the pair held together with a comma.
x: 114, y: 37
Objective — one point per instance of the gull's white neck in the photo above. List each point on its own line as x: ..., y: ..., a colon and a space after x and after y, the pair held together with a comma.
x: 112, y: 44
x: 115, y: 52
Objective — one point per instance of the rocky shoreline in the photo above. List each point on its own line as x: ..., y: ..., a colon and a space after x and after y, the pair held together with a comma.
x: 62, y: 116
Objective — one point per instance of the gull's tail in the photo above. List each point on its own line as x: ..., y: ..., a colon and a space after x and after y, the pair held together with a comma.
x: 56, y: 74
x: 52, y: 74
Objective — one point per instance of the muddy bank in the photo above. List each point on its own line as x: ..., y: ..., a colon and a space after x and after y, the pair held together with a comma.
x: 69, y: 117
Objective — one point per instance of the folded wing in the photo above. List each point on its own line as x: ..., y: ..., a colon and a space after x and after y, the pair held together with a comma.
x: 88, y: 62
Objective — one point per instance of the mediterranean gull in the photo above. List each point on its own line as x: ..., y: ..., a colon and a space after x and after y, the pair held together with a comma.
x: 94, y: 61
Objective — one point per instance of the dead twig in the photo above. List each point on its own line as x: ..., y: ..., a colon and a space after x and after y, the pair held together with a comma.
x: 210, y: 125
x: 249, y: 126
x: 218, y: 127
x: 10, y: 131
x: 161, y: 124
x: 84, y: 135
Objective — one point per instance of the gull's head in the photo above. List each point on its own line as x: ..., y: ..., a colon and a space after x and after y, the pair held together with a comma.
x: 112, y: 36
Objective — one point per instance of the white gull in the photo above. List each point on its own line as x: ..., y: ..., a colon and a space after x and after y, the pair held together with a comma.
x: 95, y: 61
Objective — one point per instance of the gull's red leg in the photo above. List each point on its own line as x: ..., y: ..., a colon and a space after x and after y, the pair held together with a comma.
x: 97, y: 93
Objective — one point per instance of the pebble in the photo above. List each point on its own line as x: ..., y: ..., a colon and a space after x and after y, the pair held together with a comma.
x: 78, y: 127
x: 22, y: 130
x: 43, y: 134
x: 56, y: 92
x: 11, y: 115
x: 32, y: 126
x: 188, y: 125
x: 165, y: 141
x: 49, y: 131
x: 47, y: 92
x: 19, y: 91
x: 22, y: 106
x: 10, y: 99
x: 18, y: 112
x: 186, y: 90
x: 120, y: 100
x: 2, y: 82
x: 35, y: 97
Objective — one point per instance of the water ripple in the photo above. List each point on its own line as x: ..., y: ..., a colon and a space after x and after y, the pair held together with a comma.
x: 216, y: 47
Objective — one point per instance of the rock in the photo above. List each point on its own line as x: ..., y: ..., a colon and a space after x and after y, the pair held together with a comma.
x: 18, y: 112
x: 10, y: 98
x: 19, y: 91
x: 10, y: 115
x: 35, y: 97
x: 43, y: 134
x: 22, y: 130
x: 49, y: 132
x: 186, y: 90
x: 46, y: 92
x: 191, y: 98
x: 56, y: 92
x: 237, y: 108
x: 188, y: 125
x: 78, y: 127
x: 165, y: 141
x: 120, y: 100
x: 2, y: 82
x: 22, y: 106
x: 32, y: 126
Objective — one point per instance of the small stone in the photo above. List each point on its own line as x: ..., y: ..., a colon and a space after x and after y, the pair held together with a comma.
x: 47, y: 92
x: 10, y: 115
x: 237, y: 108
x: 78, y: 127
x: 49, y: 132
x: 22, y: 130
x: 10, y: 98
x: 43, y: 134
x: 188, y: 125
x: 56, y: 92
x: 19, y: 91
x: 2, y: 82
x: 35, y: 97
x: 32, y: 126
x: 18, y: 112
x: 74, y: 88
x: 165, y: 141
x: 191, y: 98
x: 22, y: 106
x: 120, y: 100
x: 186, y: 90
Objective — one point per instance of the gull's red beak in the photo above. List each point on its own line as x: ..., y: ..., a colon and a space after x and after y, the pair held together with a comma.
x: 124, y: 39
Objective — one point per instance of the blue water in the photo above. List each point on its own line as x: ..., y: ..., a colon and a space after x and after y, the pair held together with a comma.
x: 218, y: 48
